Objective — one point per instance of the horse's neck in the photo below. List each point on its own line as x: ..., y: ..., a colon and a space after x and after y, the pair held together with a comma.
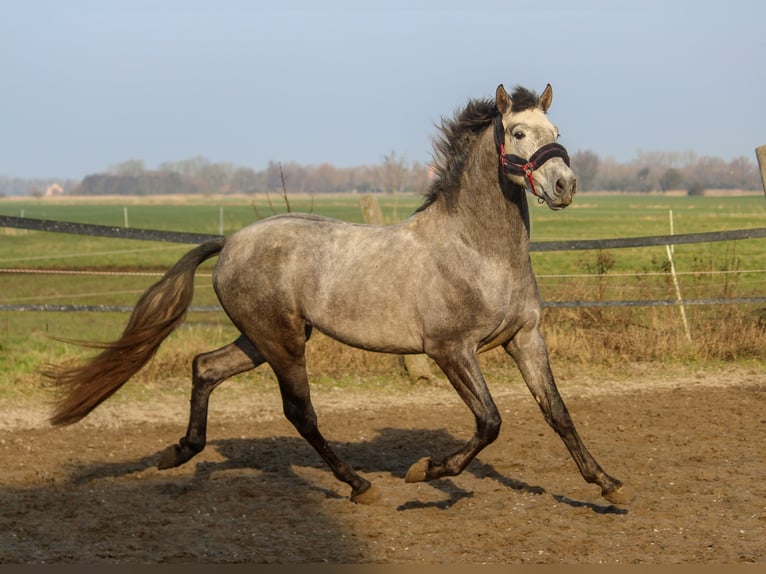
x: 490, y: 209
x: 496, y: 226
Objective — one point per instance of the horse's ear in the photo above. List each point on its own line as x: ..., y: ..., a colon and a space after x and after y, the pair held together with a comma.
x: 545, y: 99
x: 502, y: 100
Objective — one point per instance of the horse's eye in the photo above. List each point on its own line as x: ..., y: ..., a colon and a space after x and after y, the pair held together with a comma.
x: 519, y: 135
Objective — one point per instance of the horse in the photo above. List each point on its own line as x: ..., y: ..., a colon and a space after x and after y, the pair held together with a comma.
x: 452, y: 280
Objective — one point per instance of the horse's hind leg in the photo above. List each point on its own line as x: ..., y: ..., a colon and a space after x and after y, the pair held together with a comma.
x: 530, y: 353
x: 208, y: 371
x: 289, y: 364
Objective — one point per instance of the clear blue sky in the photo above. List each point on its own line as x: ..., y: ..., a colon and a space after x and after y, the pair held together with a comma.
x: 88, y: 84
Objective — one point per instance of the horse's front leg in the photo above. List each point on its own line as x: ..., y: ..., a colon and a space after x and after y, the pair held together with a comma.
x: 462, y: 370
x: 530, y: 353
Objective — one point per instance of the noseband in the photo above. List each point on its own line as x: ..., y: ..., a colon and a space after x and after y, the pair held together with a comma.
x: 515, y: 165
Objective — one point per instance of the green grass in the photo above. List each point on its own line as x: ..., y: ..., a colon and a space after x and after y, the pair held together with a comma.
x: 615, y: 216
x: 198, y: 214
x: 26, y: 343
x: 590, y: 217
x: 195, y: 215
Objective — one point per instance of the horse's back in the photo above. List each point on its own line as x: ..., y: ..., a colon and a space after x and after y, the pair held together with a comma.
x: 351, y: 281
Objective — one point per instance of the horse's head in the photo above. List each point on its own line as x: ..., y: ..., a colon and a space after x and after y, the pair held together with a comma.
x: 526, y: 142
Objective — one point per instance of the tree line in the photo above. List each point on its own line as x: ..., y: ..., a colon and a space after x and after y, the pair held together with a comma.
x: 649, y: 171
x: 200, y: 176
x: 665, y: 171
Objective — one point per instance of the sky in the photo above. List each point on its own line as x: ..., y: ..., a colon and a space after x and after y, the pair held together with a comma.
x: 87, y: 84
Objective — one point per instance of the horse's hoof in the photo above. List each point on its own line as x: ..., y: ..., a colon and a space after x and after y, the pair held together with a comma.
x: 620, y: 495
x: 369, y: 496
x: 171, y: 457
x: 418, y: 472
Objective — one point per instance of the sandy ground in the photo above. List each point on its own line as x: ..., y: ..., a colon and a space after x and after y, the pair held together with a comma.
x: 691, y: 445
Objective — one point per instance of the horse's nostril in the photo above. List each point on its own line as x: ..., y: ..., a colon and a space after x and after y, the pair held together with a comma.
x: 566, y: 185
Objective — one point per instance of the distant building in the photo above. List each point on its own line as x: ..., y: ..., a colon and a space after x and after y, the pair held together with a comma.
x: 54, y: 190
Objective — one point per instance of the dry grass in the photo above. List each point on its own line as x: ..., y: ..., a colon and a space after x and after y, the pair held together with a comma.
x: 592, y: 338
x: 579, y: 339
x: 655, y: 334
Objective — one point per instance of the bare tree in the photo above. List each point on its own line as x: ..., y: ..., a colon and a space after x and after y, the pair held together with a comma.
x: 671, y: 179
x: 394, y: 175
x: 130, y: 168
x: 585, y: 165
x: 743, y: 173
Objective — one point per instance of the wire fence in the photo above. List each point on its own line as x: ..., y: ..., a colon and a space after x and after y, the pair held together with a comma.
x: 195, y: 238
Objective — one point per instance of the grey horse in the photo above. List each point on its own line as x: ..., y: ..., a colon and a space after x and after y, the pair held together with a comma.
x: 452, y: 280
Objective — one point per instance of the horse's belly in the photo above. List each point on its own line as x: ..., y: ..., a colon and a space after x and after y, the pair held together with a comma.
x: 371, y: 326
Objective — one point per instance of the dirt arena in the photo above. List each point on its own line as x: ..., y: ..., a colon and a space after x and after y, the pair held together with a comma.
x: 690, y: 444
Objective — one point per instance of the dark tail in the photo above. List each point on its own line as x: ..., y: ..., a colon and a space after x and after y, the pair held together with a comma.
x: 156, y: 314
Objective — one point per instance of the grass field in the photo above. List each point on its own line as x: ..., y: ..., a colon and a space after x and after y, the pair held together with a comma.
x: 724, y: 269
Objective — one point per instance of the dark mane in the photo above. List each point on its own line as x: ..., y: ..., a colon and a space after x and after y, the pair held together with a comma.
x: 454, y: 146
x: 523, y: 99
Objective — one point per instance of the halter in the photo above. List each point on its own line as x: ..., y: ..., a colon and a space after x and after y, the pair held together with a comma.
x: 515, y: 165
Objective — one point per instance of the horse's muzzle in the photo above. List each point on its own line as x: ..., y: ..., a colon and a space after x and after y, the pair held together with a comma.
x: 563, y: 192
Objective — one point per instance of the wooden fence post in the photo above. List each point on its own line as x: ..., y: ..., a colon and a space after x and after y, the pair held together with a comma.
x: 371, y: 212
x: 417, y: 366
x: 760, y: 153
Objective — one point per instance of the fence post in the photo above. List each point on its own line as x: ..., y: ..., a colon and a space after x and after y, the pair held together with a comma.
x: 417, y: 366
x: 670, y: 251
x: 371, y: 212
x: 760, y: 153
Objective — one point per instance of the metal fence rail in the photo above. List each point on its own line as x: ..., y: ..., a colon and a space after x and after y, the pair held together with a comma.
x: 103, y: 230
x: 546, y: 304
x: 195, y: 238
x: 183, y: 237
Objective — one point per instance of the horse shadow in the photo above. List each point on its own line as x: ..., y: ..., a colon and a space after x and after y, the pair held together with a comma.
x: 391, y: 451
